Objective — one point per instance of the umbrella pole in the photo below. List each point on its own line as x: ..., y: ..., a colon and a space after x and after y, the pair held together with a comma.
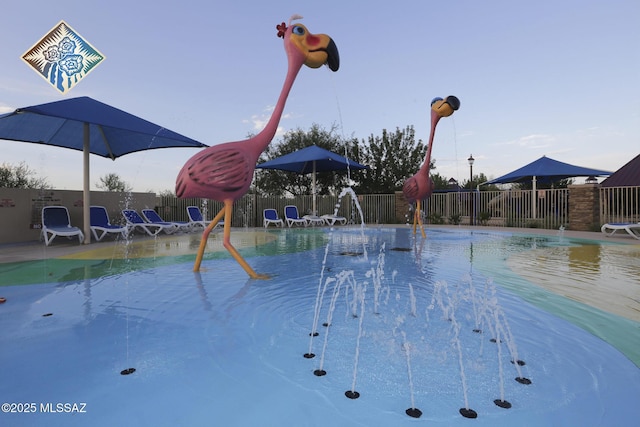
x: 315, y: 210
x: 86, y: 200
x: 534, y: 199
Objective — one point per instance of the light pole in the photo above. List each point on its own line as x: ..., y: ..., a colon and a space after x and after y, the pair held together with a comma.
x: 471, y: 160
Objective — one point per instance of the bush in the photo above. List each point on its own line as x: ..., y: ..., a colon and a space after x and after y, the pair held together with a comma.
x: 455, y: 219
x: 436, y: 218
x: 484, y: 217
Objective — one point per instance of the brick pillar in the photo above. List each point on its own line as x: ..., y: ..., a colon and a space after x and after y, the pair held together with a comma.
x: 584, y: 207
x: 402, y: 208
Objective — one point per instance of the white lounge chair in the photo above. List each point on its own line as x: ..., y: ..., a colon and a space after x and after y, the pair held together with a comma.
x: 101, y: 226
x: 56, y: 222
x: 292, y: 218
x: 170, y: 227
x: 332, y: 219
x: 135, y: 222
x: 633, y: 229
x: 314, y: 220
x: 196, y: 219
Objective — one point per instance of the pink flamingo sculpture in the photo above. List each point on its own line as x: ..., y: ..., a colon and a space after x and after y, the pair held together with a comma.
x: 224, y: 172
x: 420, y: 186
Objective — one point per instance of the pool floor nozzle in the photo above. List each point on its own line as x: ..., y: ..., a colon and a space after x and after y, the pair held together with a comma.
x: 523, y: 380
x: 319, y: 372
x: 127, y: 371
x: 468, y: 413
x: 352, y: 394
x: 502, y: 403
x: 309, y: 355
x: 414, y: 412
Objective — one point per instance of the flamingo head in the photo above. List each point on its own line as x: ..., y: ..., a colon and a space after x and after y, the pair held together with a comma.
x: 312, y: 50
x: 444, y: 107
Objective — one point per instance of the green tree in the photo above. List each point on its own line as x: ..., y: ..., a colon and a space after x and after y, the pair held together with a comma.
x: 441, y: 183
x: 20, y: 176
x: 281, y: 183
x: 479, y: 179
x: 113, y: 182
x: 392, y: 158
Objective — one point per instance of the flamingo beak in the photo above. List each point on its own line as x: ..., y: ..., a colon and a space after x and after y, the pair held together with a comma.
x: 322, y: 50
x: 333, y: 57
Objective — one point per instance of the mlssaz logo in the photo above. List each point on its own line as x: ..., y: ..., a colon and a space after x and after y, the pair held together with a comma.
x: 63, y: 57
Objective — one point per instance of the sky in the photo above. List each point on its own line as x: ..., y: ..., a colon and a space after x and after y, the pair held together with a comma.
x: 545, y: 77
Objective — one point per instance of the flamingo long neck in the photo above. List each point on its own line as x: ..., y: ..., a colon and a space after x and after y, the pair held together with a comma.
x: 264, y: 137
x: 435, y: 117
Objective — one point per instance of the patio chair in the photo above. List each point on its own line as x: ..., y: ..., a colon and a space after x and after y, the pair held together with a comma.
x: 170, y: 226
x: 292, y: 218
x: 135, y: 222
x: 633, y: 229
x: 101, y: 226
x: 270, y: 216
x: 331, y: 219
x: 56, y: 222
x: 196, y: 219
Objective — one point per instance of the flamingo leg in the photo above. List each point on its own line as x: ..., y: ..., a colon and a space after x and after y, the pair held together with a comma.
x: 227, y: 212
x: 205, y: 236
x: 418, y: 218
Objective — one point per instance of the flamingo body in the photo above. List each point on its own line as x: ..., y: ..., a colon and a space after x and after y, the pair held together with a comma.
x: 420, y: 186
x: 220, y: 172
x: 224, y: 172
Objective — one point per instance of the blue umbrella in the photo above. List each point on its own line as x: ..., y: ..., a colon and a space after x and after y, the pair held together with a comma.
x: 545, y: 170
x: 312, y: 159
x: 89, y: 126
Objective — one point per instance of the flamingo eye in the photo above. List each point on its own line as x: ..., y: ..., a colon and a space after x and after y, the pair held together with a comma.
x: 298, y: 30
x: 436, y: 99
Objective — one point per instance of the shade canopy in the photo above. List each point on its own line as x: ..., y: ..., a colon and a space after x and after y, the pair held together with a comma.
x: 312, y: 159
x: 113, y: 132
x: 546, y: 170
x: 90, y: 126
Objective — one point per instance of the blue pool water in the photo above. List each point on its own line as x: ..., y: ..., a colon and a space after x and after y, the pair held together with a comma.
x: 215, y: 348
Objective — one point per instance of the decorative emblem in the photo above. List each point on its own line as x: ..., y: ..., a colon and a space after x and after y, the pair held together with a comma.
x: 63, y: 57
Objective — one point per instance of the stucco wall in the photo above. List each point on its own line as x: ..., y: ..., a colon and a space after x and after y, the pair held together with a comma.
x: 20, y: 210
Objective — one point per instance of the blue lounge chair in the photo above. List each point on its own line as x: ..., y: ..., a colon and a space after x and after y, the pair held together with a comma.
x: 292, y: 218
x: 101, y: 226
x: 170, y: 226
x: 135, y: 222
x: 270, y: 216
x: 56, y: 222
x: 196, y: 219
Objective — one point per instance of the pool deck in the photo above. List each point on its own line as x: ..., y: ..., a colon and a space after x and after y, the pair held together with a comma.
x: 36, y: 250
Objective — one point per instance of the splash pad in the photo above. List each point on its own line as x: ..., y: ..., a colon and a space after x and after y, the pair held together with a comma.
x: 408, y: 324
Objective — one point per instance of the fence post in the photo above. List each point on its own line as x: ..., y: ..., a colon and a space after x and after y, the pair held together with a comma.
x: 584, y: 207
x: 402, y: 208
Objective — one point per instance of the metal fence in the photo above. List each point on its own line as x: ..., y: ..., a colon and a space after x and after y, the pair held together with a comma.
x: 509, y: 208
x: 547, y: 209
x: 248, y: 211
x: 619, y: 204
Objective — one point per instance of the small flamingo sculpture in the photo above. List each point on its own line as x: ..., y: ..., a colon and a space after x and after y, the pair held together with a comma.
x: 420, y: 186
x: 224, y: 172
